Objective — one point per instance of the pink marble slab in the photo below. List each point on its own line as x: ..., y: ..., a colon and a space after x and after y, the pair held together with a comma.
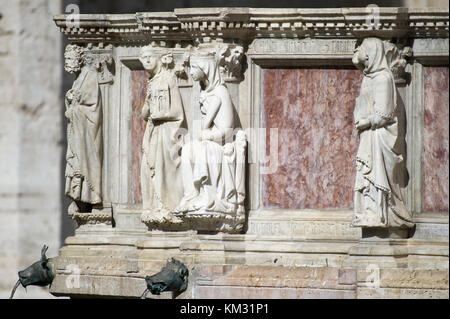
x: 436, y: 139
x: 313, y: 111
x: 139, y: 88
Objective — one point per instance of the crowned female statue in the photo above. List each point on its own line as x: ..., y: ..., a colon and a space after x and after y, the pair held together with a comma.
x: 161, y: 182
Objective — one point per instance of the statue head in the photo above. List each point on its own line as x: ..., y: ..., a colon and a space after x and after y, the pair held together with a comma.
x: 153, y: 59
x: 360, y: 57
x: 197, y: 73
x: 205, y: 69
x: 370, y: 56
x: 73, y: 58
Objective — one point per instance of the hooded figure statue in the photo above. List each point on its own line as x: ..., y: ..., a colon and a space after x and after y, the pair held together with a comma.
x: 213, y: 175
x: 378, y: 201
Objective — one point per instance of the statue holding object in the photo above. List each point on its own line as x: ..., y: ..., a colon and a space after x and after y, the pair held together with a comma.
x: 84, y: 131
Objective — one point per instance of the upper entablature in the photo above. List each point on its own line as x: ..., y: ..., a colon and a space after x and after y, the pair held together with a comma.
x: 245, y: 24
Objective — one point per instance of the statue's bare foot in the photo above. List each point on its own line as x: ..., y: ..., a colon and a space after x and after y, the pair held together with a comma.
x: 186, y: 204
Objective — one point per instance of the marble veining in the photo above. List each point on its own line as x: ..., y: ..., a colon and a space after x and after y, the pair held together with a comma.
x: 436, y: 139
x: 139, y: 80
x: 313, y: 111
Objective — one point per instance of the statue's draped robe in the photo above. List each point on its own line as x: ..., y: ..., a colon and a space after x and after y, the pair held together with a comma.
x: 214, y: 171
x: 161, y: 182
x: 84, y: 140
x: 378, y: 198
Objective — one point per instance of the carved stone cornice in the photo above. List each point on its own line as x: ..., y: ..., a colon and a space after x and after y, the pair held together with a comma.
x: 382, y: 22
x: 89, y: 28
x: 205, y: 24
x: 243, y: 24
x: 428, y: 23
x: 161, y: 26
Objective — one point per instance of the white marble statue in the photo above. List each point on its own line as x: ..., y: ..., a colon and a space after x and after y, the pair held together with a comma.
x: 213, y: 165
x: 84, y: 131
x: 378, y: 200
x: 161, y: 183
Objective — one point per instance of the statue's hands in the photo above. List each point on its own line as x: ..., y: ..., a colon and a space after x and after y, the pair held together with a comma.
x: 206, y: 135
x: 145, y: 112
x: 69, y: 95
x: 362, y: 124
x: 160, y: 116
x: 68, y: 113
x: 378, y: 121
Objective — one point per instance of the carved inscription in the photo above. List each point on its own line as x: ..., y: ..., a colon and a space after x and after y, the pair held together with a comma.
x: 430, y: 46
x: 304, y: 229
x: 309, y: 46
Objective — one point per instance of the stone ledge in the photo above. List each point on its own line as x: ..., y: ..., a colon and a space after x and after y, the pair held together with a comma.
x: 401, y: 293
x: 105, y: 286
x: 110, y: 271
x: 231, y: 292
x: 280, y: 277
x: 407, y: 278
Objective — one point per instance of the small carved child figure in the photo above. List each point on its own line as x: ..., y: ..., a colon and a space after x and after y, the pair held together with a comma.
x: 378, y: 200
x: 84, y: 131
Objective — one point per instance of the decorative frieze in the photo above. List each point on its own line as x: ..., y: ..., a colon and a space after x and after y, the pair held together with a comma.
x: 160, y: 26
x: 343, y: 47
x: 431, y: 47
x: 206, y: 24
x: 244, y: 24
x: 96, y: 217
